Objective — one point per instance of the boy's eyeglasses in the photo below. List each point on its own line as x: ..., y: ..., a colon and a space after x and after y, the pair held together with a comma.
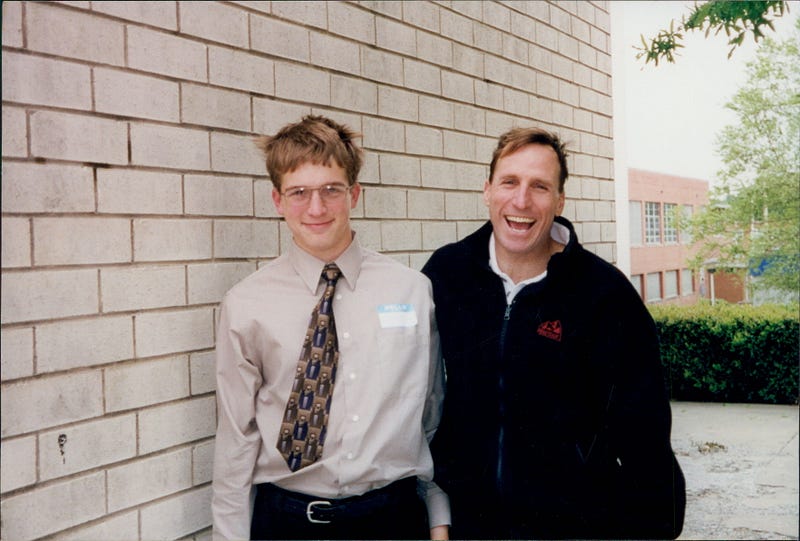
x: 329, y: 193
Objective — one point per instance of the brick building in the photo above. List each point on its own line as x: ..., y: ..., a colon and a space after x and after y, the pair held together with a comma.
x: 659, y: 249
x: 133, y: 198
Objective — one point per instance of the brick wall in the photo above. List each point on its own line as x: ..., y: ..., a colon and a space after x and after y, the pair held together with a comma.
x: 133, y: 198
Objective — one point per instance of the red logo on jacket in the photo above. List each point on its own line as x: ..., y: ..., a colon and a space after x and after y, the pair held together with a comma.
x: 551, y: 330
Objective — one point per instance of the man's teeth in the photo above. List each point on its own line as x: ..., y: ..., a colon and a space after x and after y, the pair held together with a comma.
x: 519, y: 219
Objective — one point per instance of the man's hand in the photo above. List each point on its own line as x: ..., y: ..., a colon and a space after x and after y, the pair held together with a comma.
x: 440, y: 533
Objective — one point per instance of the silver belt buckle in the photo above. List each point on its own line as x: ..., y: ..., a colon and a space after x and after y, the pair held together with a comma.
x: 310, y: 511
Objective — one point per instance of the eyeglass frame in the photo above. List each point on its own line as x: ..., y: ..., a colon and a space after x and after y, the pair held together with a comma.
x: 310, y: 191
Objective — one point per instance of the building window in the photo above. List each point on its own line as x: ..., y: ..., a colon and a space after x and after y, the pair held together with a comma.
x: 686, y: 235
x: 652, y: 223
x: 636, y: 223
x: 670, y: 284
x: 653, y: 286
x: 670, y: 231
x: 636, y: 280
x: 687, y: 284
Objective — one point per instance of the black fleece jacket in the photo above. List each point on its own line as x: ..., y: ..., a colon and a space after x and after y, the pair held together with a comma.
x: 556, y: 420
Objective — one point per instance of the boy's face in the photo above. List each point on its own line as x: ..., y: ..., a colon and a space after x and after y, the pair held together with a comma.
x: 320, y: 225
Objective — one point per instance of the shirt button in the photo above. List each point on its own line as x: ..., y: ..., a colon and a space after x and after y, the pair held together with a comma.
x: 345, y: 335
x: 350, y: 456
x: 352, y: 375
x: 338, y: 296
x: 355, y: 418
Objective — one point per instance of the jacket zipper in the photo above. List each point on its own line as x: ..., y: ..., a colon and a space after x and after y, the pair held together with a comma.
x: 502, y: 402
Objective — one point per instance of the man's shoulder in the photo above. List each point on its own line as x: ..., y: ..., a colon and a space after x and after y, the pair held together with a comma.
x: 268, y: 274
x: 376, y: 262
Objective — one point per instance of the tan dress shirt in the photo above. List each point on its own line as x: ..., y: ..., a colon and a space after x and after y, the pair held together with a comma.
x: 389, y: 384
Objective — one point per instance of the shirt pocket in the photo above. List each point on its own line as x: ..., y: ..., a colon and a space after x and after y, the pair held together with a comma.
x: 402, y: 359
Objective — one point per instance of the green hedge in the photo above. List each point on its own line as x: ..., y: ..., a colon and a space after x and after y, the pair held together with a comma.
x: 730, y: 353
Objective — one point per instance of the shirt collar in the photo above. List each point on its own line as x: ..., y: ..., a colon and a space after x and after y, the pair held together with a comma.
x: 309, y: 267
x: 558, y: 232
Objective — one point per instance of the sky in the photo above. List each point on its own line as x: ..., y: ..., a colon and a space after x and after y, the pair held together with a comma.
x: 672, y: 113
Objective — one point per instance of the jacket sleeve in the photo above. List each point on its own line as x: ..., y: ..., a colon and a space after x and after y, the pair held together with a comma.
x: 652, y: 489
x: 238, y: 441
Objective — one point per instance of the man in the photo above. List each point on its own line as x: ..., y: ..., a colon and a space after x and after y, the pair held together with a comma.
x: 369, y: 360
x: 556, y: 422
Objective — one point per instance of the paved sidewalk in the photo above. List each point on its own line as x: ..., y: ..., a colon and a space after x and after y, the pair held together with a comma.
x: 741, y: 468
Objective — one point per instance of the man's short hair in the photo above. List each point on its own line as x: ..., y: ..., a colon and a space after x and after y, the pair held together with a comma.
x: 315, y: 139
x: 516, y: 138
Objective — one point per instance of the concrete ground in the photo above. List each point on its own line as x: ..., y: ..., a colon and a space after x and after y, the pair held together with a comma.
x: 741, y: 468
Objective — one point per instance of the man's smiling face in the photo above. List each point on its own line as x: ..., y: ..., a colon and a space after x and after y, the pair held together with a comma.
x: 523, y: 198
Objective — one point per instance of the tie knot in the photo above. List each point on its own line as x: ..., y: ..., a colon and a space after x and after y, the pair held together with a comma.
x: 331, y: 273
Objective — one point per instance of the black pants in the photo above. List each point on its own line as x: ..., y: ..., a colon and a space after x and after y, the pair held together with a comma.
x: 392, y: 512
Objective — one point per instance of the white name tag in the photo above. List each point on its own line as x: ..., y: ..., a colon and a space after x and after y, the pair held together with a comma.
x: 397, y: 315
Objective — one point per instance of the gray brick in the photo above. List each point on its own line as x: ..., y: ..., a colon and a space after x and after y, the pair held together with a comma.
x: 311, y: 13
x: 84, y: 342
x: 209, y: 282
x: 488, y: 95
x: 143, y: 383
x: 438, y: 174
x: 437, y: 234
x: 18, y: 461
x: 12, y: 24
x: 16, y: 355
x: 425, y: 205
x: 70, y: 503
x: 384, y: 202
x: 129, y: 191
x: 381, y: 66
x: 87, y: 446
x: 80, y: 35
x: 161, y: 333
x: 395, y: 36
x: 436, y: 111
x: 149, y: 479
x: 50, y: 401
x: 459, y: 145
x: 79, y: 138
x: 400, y: 170
x: 212, y: 195
x: 422, y: 14
x: 383, y: 135
x: 65, y: 241
x: 235, y: 154
x: 241, y: 70
x: 16, y: 242
x: 279, y: 38
x: 335, y: 53
x: 162, y: 14
x: 468, y: 61
x: 400, y: 235
x: 43, y: 81
x: 119, y: 527
x: 202, y: 372
x: 168, y: 146
x: 214, y: 107
x: 139, y: 288
x: 29, y: 296
x: 173, y: 424
x: 15, y: 132
x: 434, y: 49
x: 456, y: 26
x: 421, y: 76
x: 180, y: 515
x: 302, y: 84
x: 398, y: 104
x: 137, y: 96
x: 349, y: 20
x: 157, y: 52
x: 171, y: 240
x: 270, y: 115
x: 245, y: 238
x: 423, y: 140
x: 214, y: 21
x: 202, y: 463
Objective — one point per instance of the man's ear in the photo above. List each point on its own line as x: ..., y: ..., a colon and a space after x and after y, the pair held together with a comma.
x: 355, y: 193
x: 277, y: 201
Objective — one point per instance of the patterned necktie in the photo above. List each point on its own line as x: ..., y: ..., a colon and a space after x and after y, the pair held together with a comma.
x: 305, y: 419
